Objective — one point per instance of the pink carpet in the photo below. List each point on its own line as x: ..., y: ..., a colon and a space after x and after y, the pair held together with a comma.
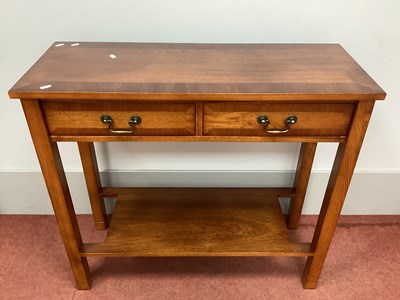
x: 363, y: 263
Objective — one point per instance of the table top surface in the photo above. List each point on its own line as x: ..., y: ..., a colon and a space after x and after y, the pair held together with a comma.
x: 151, y: 71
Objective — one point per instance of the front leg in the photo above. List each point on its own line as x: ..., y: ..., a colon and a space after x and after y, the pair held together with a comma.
x: 57, y: 186
x: 339, y: 181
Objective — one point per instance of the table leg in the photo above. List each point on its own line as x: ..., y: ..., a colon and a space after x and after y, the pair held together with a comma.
x: 54, y: 176
x: 93, y: 183
x: 338, y: 184
x: 303, y: 172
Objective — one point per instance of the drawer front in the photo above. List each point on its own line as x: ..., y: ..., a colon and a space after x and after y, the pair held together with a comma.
x: 242, y: 119
x: 84, y: 118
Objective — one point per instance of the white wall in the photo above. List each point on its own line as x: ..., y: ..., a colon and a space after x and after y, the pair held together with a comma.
x: 367, y: 29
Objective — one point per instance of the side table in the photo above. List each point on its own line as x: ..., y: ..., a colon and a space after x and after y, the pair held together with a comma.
x: 142, y: 92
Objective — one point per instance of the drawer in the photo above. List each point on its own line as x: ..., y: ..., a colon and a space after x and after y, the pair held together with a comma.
x: 241, y: 119
x: 149, y: 119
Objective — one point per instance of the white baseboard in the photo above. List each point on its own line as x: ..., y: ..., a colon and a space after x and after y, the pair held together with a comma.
x: 370, y: 193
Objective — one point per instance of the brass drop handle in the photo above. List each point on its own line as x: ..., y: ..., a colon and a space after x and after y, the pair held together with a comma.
x: 133, y: 121
x: 263, y: 120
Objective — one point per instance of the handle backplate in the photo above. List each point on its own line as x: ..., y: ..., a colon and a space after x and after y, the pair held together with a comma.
x: 133, y: 121
x: 263, y: 120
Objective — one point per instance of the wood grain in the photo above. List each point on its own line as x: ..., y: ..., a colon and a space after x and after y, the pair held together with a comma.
x: 199, y: 118
x: 197, y: 222
x: 83, y: 118
x: 226, y: 72
x: 240, y: 119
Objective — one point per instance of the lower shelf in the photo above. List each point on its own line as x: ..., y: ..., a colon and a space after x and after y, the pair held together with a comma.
x: 196, y: 222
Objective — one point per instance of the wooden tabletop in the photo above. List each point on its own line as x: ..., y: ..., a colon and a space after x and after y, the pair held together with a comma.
x: 151, y: 71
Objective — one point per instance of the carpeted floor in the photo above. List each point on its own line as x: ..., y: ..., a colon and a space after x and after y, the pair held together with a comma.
x: 363, y: 263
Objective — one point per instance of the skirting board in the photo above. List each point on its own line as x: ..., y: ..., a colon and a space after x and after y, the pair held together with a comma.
x: 370, y: 193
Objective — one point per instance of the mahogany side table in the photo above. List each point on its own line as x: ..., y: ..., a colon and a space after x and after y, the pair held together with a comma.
x: 141, y: 92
